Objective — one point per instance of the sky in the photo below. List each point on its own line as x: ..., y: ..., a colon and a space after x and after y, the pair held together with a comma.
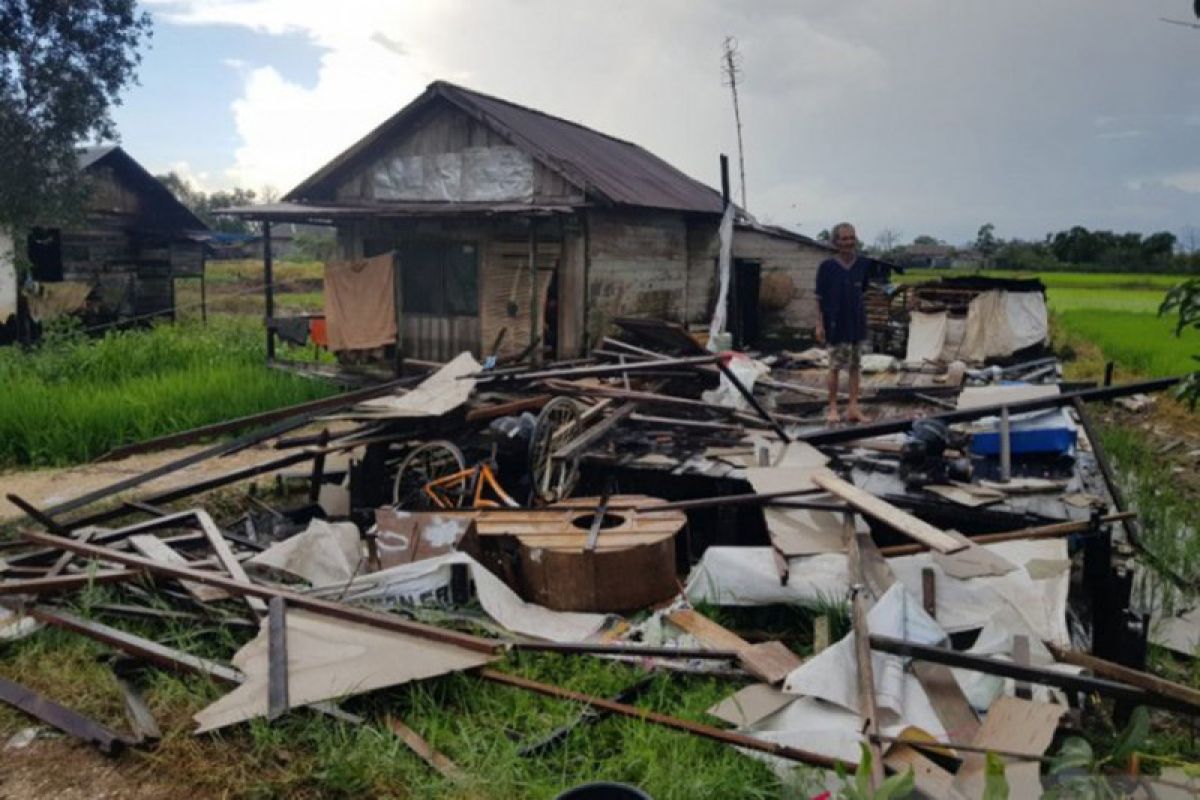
x: 914, y: 116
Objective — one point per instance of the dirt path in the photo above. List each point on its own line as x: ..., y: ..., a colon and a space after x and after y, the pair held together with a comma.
x: 67, y: 770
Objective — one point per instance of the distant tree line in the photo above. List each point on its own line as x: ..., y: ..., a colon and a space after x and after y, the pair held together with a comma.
x: 1081, y: 250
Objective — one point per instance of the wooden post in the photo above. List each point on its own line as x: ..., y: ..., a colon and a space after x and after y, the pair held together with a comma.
x: 203, y: 290
x: 1005, y: 446
x: 268, y: 290
x: 929, y: 591
x: 866, y: 680
x: 535, y: 328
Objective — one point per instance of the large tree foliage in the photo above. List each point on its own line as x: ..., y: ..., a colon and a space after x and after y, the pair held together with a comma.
x: 1184, y: 300
x: 63, y: 65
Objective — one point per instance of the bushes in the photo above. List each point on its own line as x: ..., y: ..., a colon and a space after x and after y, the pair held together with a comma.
x: 72, y: 398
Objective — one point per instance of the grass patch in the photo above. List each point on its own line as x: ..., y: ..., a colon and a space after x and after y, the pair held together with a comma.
x: 1141, y: 342
x: 1144, y: 301
x: 73, y: 398
x: 479, y: 725
x: 1167, y: 514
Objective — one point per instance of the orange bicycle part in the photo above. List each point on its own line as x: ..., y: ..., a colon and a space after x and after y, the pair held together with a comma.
x: 449, y: 491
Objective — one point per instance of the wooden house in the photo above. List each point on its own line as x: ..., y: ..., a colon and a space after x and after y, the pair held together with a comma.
x: 505, y: 221
x: 134, y: 240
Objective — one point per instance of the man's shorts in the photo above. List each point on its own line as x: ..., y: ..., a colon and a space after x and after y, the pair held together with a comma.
x: 846, y: 355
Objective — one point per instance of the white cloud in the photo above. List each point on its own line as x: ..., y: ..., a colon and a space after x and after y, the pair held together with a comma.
x: 925, y: 116
x: 197, y: 179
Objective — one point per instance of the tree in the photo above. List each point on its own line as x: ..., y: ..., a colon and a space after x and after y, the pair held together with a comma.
x: 1184, y: 300
x: 824, y: 236
x: 887, y: 240
x: 205, y: 206
x: 926, y: 239
x: 985, y: 240
x: 63, y: 66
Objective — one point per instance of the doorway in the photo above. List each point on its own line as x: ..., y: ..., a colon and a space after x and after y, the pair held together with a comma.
x: 743, y: 303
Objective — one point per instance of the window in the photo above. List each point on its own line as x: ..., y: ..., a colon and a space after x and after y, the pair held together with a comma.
x: 439, y: 278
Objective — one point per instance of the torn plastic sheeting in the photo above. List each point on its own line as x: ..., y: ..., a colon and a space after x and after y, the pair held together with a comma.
x: 724, y: 267
x: 747, y: 371
x: 8, y: 278
x: 324, y: 553
x: 748, y: 576
x: 428, y: 581
x: 1028, y: 319
x: 329, y: 658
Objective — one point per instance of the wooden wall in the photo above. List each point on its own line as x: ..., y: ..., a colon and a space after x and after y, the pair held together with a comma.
x: 637, y: 266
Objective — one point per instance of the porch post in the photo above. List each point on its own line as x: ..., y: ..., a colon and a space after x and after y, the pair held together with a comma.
x: 535, y: 328
x: 268, y: 290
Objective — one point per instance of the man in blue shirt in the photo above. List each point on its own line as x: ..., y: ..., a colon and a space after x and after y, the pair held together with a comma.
x: 842, y: 316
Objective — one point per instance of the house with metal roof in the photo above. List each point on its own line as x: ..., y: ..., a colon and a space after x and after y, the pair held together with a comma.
x: 514, y: 231
x: 119, y: 262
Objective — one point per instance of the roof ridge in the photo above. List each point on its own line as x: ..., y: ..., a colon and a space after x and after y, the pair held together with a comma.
x: 539, y: 112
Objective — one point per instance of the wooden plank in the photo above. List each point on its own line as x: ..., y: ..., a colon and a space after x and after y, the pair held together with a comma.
x: 228, y: 560
x: 152, y: 547
x: 706, y: 631
x: 1013, y: 725
x: 423, y: 750
x: 66, y: 720
x: 866, y: 683
x: 770, y: 662
x: 884, y: 511
x: 1143, y: 680
x: 929, y: 778
x: 65, y: 583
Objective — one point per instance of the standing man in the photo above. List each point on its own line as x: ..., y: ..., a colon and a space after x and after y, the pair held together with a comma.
x: 842, y: 316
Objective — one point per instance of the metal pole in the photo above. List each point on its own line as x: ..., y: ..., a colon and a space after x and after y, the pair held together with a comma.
x: 268, y: 290
x: 1005, y: 446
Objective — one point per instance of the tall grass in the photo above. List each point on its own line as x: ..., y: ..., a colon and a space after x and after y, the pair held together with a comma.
x: 1142, y: 342
x: 73, y: 398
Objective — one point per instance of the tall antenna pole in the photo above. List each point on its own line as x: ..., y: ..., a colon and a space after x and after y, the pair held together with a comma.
x: 731, y: 67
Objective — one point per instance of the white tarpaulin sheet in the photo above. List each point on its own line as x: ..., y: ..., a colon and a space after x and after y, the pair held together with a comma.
x: 428, y: 580
x: 926, y: 337
x: 1027, y: 319
x: 724, y: 265
x: 999, y: 323
x: 474, y: 174
x: 8, y: 279
x: 746, y: 576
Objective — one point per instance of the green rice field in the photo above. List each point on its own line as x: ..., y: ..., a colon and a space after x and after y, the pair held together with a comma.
x: 73, y: 398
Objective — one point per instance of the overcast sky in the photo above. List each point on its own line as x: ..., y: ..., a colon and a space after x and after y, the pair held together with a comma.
x: 922, y: 116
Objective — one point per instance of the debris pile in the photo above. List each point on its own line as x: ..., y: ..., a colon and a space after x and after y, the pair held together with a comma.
x: 971, y: 533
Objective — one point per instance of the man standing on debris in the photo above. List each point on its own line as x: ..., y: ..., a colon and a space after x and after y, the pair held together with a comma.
x: 842, y: 316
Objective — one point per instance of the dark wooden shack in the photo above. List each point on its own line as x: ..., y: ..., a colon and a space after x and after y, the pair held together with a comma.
x: 506, y: 221
x: 135, y: 239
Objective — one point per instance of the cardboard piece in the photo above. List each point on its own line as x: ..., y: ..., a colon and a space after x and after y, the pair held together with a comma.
x: 324, y: 553
x: 973, y: 561
x: 750, y: 705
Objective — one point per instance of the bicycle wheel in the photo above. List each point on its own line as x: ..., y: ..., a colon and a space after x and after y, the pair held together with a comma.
x: 423, y: 464
x: 554, y: 478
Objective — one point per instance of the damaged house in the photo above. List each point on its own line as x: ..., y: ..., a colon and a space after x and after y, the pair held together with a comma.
x: 118, y: 263
x: 460, y: 193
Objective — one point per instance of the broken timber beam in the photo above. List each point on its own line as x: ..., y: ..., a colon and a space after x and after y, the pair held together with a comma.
x: 1058, y: 529
x: 65, y: 583
x: 902, y: 521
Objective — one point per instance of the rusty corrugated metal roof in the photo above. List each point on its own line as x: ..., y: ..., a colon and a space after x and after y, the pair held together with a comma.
x: 609, y: 170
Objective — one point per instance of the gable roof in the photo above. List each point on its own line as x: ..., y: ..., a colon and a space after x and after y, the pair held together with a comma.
x: 164, y: 212
x: 608, y: 169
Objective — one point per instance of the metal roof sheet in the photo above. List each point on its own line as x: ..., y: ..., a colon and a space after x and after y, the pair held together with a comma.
x: 608, y: 169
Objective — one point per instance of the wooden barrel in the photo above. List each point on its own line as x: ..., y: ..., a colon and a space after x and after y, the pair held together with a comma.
x: 542, y: 553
